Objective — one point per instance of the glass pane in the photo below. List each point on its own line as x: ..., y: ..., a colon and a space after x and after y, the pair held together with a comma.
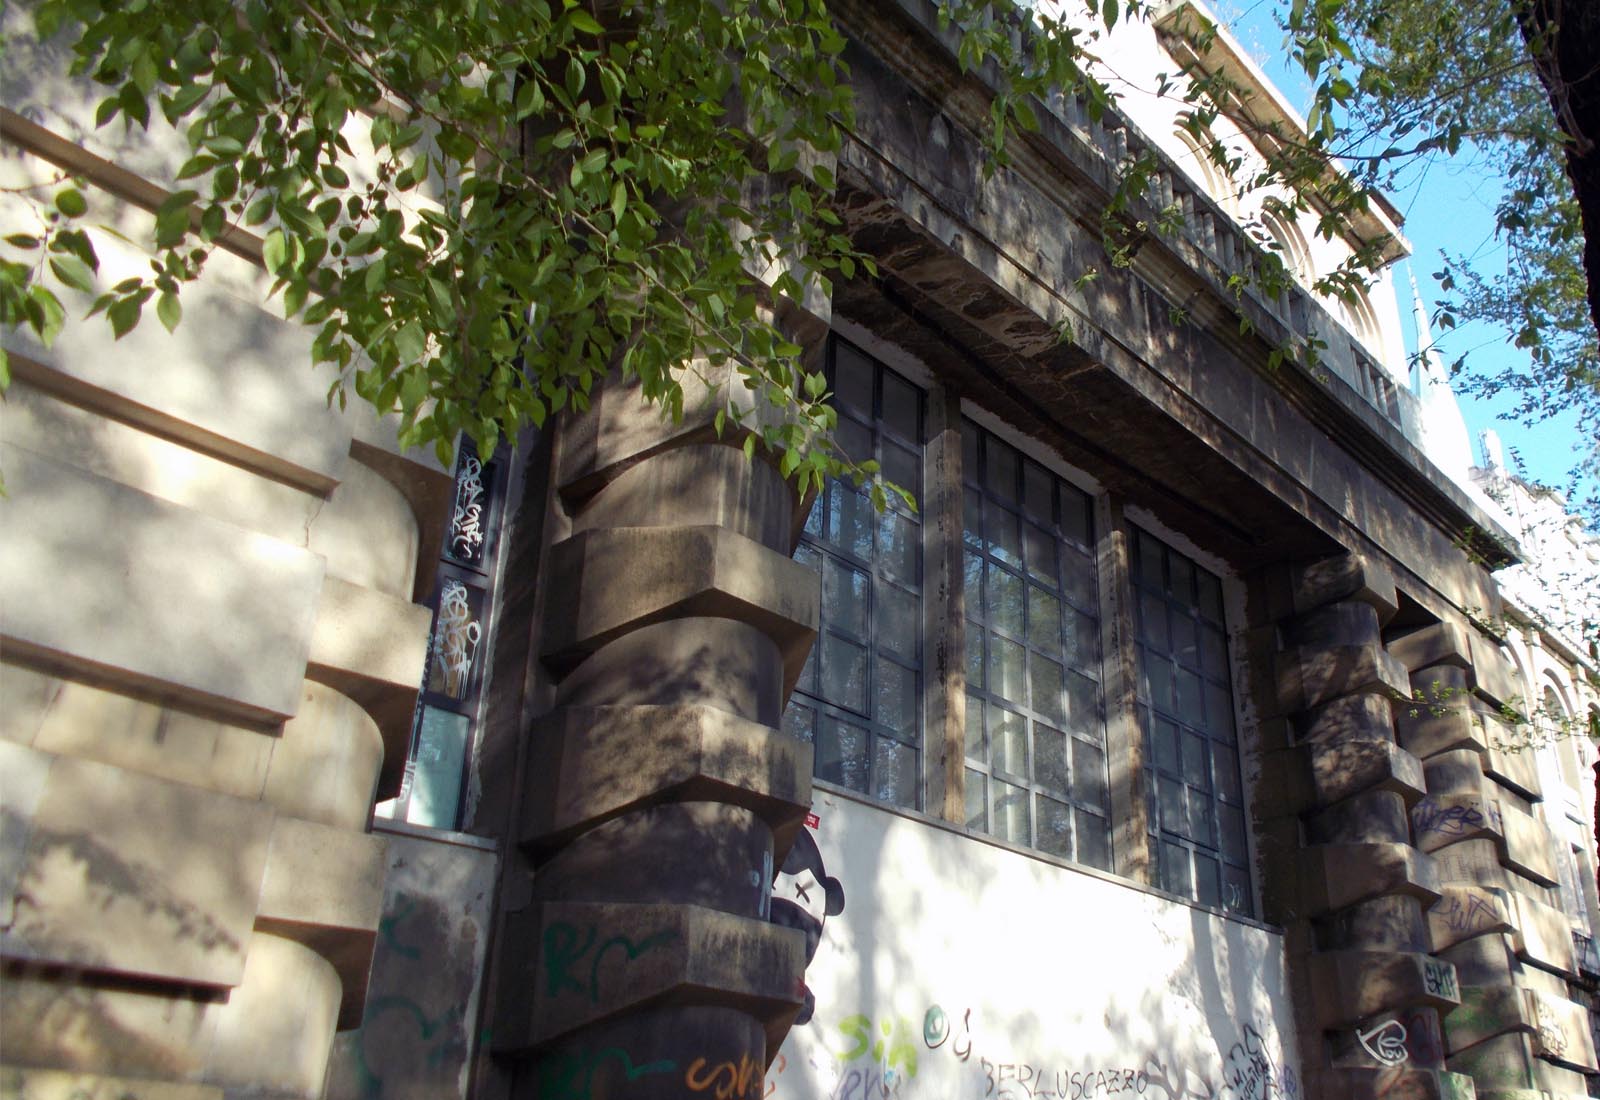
x: 1153, y: 622
x: 1175, y: 869
x: 1005, y: 669
x: 844, y: 598
x: 977, y: 801
x: 1011, y: 813
x: 1188, y: 697
x: 1008, y: 741
x: 1233, y: 840
x: 1075, y: 516
x: 806, y: 555
x: 1207, y: 881
x: 974, y: 642
x: 1088, y: 773
x: 1083, y: 639
x: 1194, y: 761
x: 855, y: 439
x: 844, y: 673
x: 1236, y: 890
x: 1039, y: 550
x: 808, y: 673
x: 902, y: 467
x: 852, y: 379
x: 896, y: 773
x: 1174, y: 813
x: 850, y: 520
x: 1044, y: 620
x: 1213, y: 652
x: 1077, y: 580
x: 1185, y: 647
x: 1210, y: 597
x: 972, y: 583
x: 1045, y: 689
x: 799, y: 721
x: 973, y: 730
x: 457, y: 630
x: 1001, y: 471
x: 1004, y: 532
x: 899, y: 547
x: 842, y: 754
x: 465, y: 542
x: 1226, y: 770
x: 1050, y: 759
x: 1219, y: 712
x: 1094, y: 840
x: 1004, y: 592
x: 1083, y: 704
x: 436, y: 778
x: 972, y: 517
x: 1037, y: 483
x: 1167, y: 753
x: 899, y: 621
x: 1182, y: 578
x: 1055, y: 827
x: 1200, y: 817
x: 1158, y: 681
x: 1150, y: 555
x: 902, y: 406
x: 896, y: 689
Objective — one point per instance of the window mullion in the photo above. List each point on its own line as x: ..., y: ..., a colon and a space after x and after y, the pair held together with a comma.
x: 944, y: 609
x: 1130, y: 806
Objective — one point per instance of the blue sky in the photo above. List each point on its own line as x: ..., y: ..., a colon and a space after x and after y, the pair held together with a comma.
x: 1447, y: 204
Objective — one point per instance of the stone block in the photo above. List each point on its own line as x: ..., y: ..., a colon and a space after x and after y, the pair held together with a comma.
x: 368, y: 533
x: 1485, y: 1012
x: 1439, y: 644
x: 1427, y: 729
x: 1349, y: 986
x: 1561, y: 1031
x: 1495, y: 673
x: 1372, y: 817
x: 1474, y: 862
x: 221, y: 385
x: 93, y: 723
x: 1347, y: 576
x: 1465, y: 911
x: 1339, y: 770
x: 1346, y: 623
x: 24, y: 773
x: 163, y: 598
x: 324, y: 764
x: 708, y: 485
x: 56, y: 1019
x: 20, y: 1083
x: 595, y: 961
x: 625, y: 578
x: 1352, y: 718
x: 132, y: 875
x: 373, y: 648
x: 1389, y: 1083
x: 1410, y: 1039
x: 1543, y: 935
x: 1529, y: 848
x: 1458, y: 772
x: 323, y: 888
x: 719, y: 663
x: 274, y: 1031
x: 1309, y: 677
x: 589, y: 764
x: 1510, y: 760
x: 1333, y: 876
x: 1485, y: 960
x: 1392, y: 921
x: 1441, y: 820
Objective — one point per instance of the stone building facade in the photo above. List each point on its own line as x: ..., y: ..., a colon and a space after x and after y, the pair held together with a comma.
x: 1170, y: 747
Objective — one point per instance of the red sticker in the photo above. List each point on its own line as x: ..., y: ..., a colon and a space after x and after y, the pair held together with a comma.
x: 812, y: 821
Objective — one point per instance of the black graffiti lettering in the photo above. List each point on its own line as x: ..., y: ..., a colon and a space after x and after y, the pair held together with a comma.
x: 988, y: 1073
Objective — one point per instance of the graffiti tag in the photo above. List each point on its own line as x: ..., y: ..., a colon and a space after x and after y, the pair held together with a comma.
x: 562, y: 951
x: 1386, y: 1042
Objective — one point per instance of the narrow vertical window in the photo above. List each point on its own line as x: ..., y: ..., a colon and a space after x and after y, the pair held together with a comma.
x: 441, y: 735
x: 859, y: 700
x: 1197, y: 813
x: 1035, y: 735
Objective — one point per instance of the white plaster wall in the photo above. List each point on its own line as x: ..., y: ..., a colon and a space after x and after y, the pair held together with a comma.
x: 960, y: 970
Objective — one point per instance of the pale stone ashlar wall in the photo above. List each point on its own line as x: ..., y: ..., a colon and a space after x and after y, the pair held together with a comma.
x: 209, y: 654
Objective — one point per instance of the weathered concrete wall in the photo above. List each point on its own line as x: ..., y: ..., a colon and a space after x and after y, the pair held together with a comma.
x: 421, y: 1027
x: 959, y: 970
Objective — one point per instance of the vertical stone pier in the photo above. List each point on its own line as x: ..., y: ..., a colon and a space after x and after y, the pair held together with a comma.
x: 1336, y: 800
x: 661, y: 792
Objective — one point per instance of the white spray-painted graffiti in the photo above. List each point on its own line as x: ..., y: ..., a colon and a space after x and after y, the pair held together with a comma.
x: 455, y: 640
x: 879, y: 1059
x: 1386, y: 1042
x: 466, y: 521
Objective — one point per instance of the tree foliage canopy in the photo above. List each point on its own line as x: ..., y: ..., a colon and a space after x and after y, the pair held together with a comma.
x: 484, y: 206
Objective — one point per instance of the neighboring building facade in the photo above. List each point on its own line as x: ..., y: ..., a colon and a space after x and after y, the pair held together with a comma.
x: 1168, y: 748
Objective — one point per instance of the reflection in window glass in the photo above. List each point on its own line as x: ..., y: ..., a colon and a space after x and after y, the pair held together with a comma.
x: 1036, y: 761
x: 1186, y: 717
x: 859, y: 698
